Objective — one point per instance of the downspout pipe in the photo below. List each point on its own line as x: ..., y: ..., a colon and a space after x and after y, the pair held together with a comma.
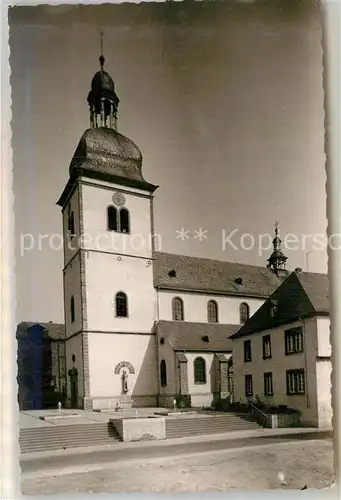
x: 305, y: 364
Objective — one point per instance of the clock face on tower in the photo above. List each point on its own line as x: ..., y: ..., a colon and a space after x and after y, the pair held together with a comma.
x: 118, y: 199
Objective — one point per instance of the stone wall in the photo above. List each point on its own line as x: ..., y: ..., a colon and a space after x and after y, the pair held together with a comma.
x: 195, y: 306
x: 107, y: 352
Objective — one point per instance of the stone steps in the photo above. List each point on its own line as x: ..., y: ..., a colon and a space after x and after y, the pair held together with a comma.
x: 66, y: 436
x: 178, y: 427
x: 60, y: 437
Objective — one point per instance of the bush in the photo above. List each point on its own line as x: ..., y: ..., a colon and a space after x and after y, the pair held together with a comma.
x: 217, y: 405
x: 51, y: 398
x: 239, y: 407
x: 221, y: 404
x: 183, y: 401
x: 282, y: 410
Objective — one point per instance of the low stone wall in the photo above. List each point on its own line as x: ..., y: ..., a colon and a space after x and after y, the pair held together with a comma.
x: 282, y: 420
x: 166, y: 401
x: 201, y: 400
x: 140, y: 429
x: 110, y: 402
x: 144, y: 401
x: 325, y: 421
x: 104, y: 403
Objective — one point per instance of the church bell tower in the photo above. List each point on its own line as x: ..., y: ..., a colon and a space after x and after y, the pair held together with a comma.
x: 109, y: 295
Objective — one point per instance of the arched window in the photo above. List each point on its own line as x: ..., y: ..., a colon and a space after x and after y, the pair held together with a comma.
x: 212, y: 311
x: 118, y: 220
x: 244, y: 312
x: 107, y: 112
x: 121, y: 305
x: 112, y: 218
x: 72, y: 309
x: 71, y: 225
x: 177, y: 309
x: 124, y: 221
x: 163, y: 373
x: 199, y: 371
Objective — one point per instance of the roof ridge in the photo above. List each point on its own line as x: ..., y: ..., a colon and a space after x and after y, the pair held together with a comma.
x: 309, y: 273
x: 29, y: 322
x: 211, y: 260
x: 237, y: 325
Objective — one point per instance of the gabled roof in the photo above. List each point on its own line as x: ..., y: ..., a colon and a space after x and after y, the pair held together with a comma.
x: 300, y: 296
x: 212, y: 276
x: 186, y: 336
x: 54, y: 331
x: 316, y: 286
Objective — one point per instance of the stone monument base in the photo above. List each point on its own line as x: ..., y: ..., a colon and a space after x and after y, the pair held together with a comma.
x: 140, y: 429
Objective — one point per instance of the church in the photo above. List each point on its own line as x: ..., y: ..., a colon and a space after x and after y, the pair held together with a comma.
x: 142, y: 327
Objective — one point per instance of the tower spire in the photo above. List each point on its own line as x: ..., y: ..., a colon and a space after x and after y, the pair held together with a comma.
x: 101, y: 58
x: 276, y: 227
x: 277, y: 240
x: 277, y: 260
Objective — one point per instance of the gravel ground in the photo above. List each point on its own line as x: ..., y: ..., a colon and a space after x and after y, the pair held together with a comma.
x: 284, y: 466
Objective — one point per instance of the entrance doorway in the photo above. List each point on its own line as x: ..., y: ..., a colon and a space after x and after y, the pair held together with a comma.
x: 73, y: 374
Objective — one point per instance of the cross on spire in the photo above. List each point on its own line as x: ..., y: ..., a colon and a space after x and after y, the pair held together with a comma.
x: 276, y: 227
x: 102, y: 98
x: 101, y: 59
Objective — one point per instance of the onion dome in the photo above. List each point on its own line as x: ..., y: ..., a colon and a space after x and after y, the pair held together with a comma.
x: 102, y: 99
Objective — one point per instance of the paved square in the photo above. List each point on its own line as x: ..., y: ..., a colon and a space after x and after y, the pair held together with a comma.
x: 301, y: 463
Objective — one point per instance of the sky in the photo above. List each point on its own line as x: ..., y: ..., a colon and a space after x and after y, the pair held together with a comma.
x: 225, y: 102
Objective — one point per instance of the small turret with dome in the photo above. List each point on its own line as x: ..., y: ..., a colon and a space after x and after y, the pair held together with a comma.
x: 102, y: 99
x: 277, y: 260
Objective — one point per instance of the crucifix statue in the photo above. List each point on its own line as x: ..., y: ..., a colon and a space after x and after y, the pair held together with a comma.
x: 124, y: 378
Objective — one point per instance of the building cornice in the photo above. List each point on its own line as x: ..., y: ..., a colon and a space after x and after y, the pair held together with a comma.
x: 108, y: 332
x: 101, y: 176
x: 238, y: 335
x: 211, y: 292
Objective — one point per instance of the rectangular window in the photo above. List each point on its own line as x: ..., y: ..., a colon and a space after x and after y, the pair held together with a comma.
x: 295, y: 382
x: 266, y: 346
x: 268, y: 389
x: 247, y: 351
x: 273, y: 310
x: 248, y: 386
x: 293, y: 340
x: 71, y: 225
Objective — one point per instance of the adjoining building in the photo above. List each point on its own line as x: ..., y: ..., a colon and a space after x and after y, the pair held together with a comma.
x: 41, y: 365
x: 200, y: 303
x: 282, y: 354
